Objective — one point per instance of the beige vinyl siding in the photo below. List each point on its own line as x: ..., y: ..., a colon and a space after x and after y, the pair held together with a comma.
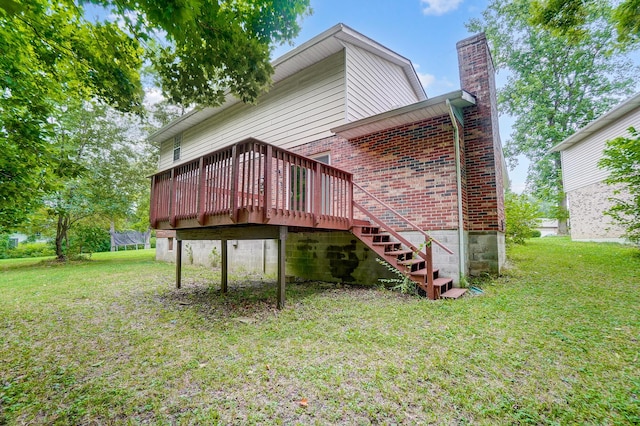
x: 298, y: 110
x: 374, y: 85
x: 580, y: 162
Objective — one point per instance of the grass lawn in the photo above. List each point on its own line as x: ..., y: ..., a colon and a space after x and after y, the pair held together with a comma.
x: 553, y: 341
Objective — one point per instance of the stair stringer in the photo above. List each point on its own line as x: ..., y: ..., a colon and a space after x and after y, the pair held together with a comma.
x: 403, y: 256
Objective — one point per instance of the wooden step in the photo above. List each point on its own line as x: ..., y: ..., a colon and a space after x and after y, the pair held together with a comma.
x: 398, y: 252
x: 410, y: 262
x: 423, y: 272
x: 386, y: 243
x: 454, y: 293
x: 441, y: 282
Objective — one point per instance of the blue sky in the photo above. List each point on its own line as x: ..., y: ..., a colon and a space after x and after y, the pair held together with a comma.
x: 424, y: 31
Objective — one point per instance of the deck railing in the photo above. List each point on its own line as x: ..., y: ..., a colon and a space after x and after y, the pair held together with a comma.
x: 252, y: 182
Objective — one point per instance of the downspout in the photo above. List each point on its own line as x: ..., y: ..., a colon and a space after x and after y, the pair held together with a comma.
x: 456, y: 140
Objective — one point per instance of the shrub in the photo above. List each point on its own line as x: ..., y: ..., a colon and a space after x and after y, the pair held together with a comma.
x: 89, y: 239
x: 522, y: 216
x: 31, y: 250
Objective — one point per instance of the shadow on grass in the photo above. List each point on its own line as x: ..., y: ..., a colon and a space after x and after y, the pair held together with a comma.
x: 253, y: 298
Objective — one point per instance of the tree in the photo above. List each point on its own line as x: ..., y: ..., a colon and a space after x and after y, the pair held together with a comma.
x: 522, y: 215
x: 554, y: 87
x: 98, y: 174
x: 622, y: 159
x: 51, y: 56
x: 570, y: 17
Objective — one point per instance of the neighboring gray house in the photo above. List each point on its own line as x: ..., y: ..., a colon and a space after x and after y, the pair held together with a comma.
x: 588, y: 196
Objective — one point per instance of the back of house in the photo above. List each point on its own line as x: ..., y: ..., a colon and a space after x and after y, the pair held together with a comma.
x: 345, y: 136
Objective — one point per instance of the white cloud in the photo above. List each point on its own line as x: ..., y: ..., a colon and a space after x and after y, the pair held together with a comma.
x: 433, y: 84
x: 439, y: 7
x: 426, y: 79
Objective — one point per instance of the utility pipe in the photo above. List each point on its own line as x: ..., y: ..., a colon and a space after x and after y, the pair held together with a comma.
x: 456, y: 140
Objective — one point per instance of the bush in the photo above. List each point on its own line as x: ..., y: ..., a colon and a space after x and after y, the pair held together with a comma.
x: 536, y: 234
x: 89, y: 239
x: 522, y: 216
x: 31, y: 250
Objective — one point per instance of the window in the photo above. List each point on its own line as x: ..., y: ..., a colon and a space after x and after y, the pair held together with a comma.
x: 13, y: 242
x: 323, y: 158
x: 177, y: 142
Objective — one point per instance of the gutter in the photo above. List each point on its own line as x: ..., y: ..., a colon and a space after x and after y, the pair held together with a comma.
x: 456, y: 140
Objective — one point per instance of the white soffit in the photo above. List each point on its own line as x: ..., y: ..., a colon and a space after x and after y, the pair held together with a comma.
x: 418, y: 111
x: 603, y: 121
x: 305, y: 55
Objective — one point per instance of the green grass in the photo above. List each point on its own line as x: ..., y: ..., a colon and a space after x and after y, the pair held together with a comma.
x: 553, y: 341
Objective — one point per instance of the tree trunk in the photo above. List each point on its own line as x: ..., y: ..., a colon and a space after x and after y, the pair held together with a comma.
x: 563, y: 229
x: 112, y: 230
x: 562, y: 213
x: 60, y: 236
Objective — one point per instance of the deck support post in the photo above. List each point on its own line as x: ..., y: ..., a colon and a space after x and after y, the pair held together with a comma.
x: 178, y: 263
x: 225, y: 266
x: 282, y: 239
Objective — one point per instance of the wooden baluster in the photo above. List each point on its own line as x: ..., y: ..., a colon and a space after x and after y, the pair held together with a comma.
x: 201, y: 192
x: 234, y: 184
x: 316, y: 181
x: 172, y: 201
x: 268, y: 170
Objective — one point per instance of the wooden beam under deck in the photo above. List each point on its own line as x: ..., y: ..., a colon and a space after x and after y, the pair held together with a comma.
x: 249, y: 232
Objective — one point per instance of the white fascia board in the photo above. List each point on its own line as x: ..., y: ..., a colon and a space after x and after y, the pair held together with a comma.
x: 603, y: 121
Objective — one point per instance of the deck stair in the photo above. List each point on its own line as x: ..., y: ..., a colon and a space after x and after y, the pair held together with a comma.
x: 407, y: 260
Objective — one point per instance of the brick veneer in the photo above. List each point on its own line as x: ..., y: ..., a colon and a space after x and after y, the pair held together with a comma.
x: 411, y: 167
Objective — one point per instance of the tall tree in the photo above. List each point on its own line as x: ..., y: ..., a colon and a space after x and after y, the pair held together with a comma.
x: 98, y: 174
x: 570, y: 17
x: 554, y: 87
x: 49, y: 54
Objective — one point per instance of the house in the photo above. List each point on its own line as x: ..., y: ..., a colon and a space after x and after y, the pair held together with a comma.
x: 547, y: 227
x: 345, y: 160
x: 588, y: 196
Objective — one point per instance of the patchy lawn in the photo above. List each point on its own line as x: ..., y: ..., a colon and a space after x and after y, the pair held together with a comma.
x: 553, y: 341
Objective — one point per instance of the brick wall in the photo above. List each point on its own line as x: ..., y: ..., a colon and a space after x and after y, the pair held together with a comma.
x: 411, y: 167
x: 483, y: 160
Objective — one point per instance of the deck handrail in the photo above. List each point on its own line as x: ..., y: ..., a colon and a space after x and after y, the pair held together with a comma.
x: 401, y: 217
x: 251, y: 182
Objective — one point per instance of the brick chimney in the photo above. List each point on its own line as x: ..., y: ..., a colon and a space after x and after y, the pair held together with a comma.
x: 483, y: 158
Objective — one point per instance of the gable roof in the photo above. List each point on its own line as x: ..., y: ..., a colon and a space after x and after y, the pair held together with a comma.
x: 308, y: 53
x: 604, y: 120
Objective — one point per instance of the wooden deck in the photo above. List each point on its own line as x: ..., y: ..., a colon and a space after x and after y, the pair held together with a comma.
x: 252, y: 182
x: 254, y: 190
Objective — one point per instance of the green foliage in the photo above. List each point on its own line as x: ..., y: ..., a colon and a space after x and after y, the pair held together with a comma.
x: 215, y: 258
x: 49, y: 54
x: 52, y: 57
x: 401, y: 282
x: 622, y: 159
x: 554, y: 86
x: 536, y: 233
x: 26, y: 249
x: 571, y: 17
x: 522, y: 216
x: 89, y: 239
